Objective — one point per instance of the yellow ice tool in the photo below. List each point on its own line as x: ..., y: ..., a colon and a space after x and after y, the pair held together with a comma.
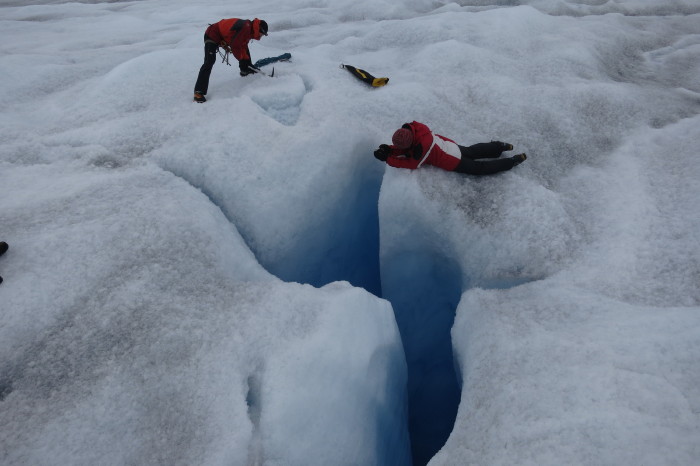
x: 362, y: 75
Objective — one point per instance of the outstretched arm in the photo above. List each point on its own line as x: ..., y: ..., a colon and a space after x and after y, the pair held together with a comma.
x: 395, y: 157
x: 402, y: 162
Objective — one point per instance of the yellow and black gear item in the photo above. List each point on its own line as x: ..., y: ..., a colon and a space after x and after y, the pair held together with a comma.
x: 363, y: 75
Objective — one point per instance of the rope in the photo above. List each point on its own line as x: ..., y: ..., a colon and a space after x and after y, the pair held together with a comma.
x: 224, y: 54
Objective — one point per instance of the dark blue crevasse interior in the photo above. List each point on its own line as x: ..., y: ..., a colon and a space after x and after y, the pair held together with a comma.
x: 343, y: 245
x: 424, y: 290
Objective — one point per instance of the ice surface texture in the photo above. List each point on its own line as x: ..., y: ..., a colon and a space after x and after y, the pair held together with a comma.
x: 184, y: 284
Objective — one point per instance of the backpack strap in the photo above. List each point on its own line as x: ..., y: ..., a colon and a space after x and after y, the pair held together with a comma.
x: 425, y: 157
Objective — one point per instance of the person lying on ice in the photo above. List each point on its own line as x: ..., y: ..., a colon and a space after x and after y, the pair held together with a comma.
x: 415, y: 145
x: 232, y: 35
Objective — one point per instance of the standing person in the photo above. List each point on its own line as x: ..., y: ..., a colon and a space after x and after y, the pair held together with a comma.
x: 232, y: 35
x: 414, y: 145
x: 3, y: 249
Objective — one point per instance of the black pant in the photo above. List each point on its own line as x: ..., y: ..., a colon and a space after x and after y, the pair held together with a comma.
x: 483, y: 150
x: 210, y: 49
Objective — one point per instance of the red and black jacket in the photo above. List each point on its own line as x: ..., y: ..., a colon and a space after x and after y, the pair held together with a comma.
x: 233, y: 35
x: 427, y: 148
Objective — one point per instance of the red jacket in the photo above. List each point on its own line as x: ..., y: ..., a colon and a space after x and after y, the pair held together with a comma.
x: 233, y: 34
x: 444, y: 152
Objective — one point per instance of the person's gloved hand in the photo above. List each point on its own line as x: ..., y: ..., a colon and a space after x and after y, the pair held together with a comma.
x: 382, y: 153
x: 246, y: 67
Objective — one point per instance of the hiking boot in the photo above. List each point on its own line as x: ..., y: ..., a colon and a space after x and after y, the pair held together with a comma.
x: 518, y: 159
x: 199, y: 98
x: 3, y: 249
x: 504, y: 146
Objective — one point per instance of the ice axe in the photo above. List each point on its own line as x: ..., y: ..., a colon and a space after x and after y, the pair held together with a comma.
x: 258, y: 70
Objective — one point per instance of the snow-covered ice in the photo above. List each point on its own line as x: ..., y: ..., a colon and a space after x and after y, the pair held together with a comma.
x: 241, y: 282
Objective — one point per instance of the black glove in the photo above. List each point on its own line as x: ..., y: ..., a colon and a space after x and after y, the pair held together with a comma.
x: 382, y: 153
x: 246, y: 67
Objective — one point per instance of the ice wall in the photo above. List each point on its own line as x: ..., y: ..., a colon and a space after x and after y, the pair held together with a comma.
x: 158, y: 338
